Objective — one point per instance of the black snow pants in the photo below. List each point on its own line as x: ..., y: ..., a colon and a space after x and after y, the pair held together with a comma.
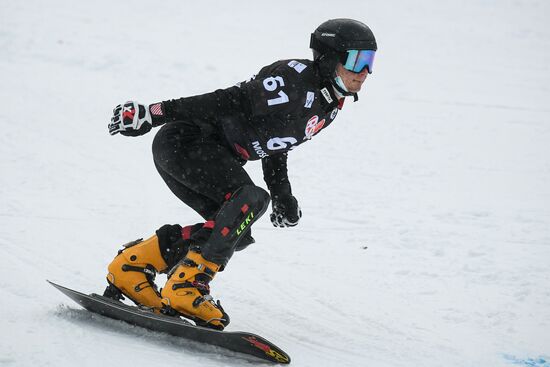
x: 201, y: 170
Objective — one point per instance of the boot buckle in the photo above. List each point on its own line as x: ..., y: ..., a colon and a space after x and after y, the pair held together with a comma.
x: 206, y: 270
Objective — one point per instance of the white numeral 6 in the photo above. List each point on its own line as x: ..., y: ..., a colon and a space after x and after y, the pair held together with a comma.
x: 280, y: 143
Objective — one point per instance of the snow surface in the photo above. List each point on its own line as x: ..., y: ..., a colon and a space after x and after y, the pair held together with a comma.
x: 425, y: 239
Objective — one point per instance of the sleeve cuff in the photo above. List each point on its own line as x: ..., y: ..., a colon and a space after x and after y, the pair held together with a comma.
x: 158, y: 115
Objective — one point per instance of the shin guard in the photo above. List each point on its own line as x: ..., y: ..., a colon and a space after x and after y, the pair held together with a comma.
x: 233, y: 221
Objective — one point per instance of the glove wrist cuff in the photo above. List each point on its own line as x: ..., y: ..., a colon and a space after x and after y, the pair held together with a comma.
x: 282, y: 189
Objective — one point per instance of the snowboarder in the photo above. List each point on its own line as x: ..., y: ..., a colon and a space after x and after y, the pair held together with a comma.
x: 200, y: 151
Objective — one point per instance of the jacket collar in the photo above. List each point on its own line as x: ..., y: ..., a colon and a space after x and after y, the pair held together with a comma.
x: 328, y: 97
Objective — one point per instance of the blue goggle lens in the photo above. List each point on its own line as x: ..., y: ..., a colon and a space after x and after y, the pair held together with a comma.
x: 357, y: 60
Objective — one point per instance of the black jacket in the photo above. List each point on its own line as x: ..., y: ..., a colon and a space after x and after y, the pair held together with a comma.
x: 284, y: 105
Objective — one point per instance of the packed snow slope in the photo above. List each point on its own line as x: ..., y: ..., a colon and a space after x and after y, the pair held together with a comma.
x: 425, y: 239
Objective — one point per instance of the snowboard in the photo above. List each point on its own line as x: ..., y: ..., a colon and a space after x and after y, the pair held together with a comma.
x: 236, y: 341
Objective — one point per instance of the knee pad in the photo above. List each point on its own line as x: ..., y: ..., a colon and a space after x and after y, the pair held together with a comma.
x: 233, y: 222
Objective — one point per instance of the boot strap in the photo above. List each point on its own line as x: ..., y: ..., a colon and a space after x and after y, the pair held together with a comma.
x: 150, y: 274
x: 201, y: 286
x: 199, y: 300
x: 202, y: 268
x: 130, y: 244
x: 206, y: 270
x: 148, y: 270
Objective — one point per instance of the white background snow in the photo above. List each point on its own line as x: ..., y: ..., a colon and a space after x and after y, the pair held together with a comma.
x: 425, y: 239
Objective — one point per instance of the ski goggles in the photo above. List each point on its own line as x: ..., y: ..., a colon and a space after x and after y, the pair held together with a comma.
x: 357, y: 60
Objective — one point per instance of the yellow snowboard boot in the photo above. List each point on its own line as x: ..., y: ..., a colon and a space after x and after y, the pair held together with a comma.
x: 132, y: 273
x: 187, y: 292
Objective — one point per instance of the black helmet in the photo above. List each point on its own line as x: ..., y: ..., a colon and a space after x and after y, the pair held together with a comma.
x: 333, y: 38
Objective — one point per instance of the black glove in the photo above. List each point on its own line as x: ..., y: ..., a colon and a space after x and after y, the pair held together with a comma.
x: 286, y: 211
x: 131, y: 119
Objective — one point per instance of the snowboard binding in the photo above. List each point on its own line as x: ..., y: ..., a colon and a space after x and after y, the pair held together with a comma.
x: 114, y: 293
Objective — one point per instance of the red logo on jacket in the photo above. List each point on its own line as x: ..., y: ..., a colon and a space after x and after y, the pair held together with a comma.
x: 313, y: 126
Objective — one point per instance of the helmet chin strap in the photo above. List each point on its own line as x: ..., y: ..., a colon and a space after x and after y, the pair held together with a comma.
x: 339, y: 85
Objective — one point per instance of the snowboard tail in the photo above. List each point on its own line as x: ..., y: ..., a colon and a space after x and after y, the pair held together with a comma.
x: 236, y: 341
